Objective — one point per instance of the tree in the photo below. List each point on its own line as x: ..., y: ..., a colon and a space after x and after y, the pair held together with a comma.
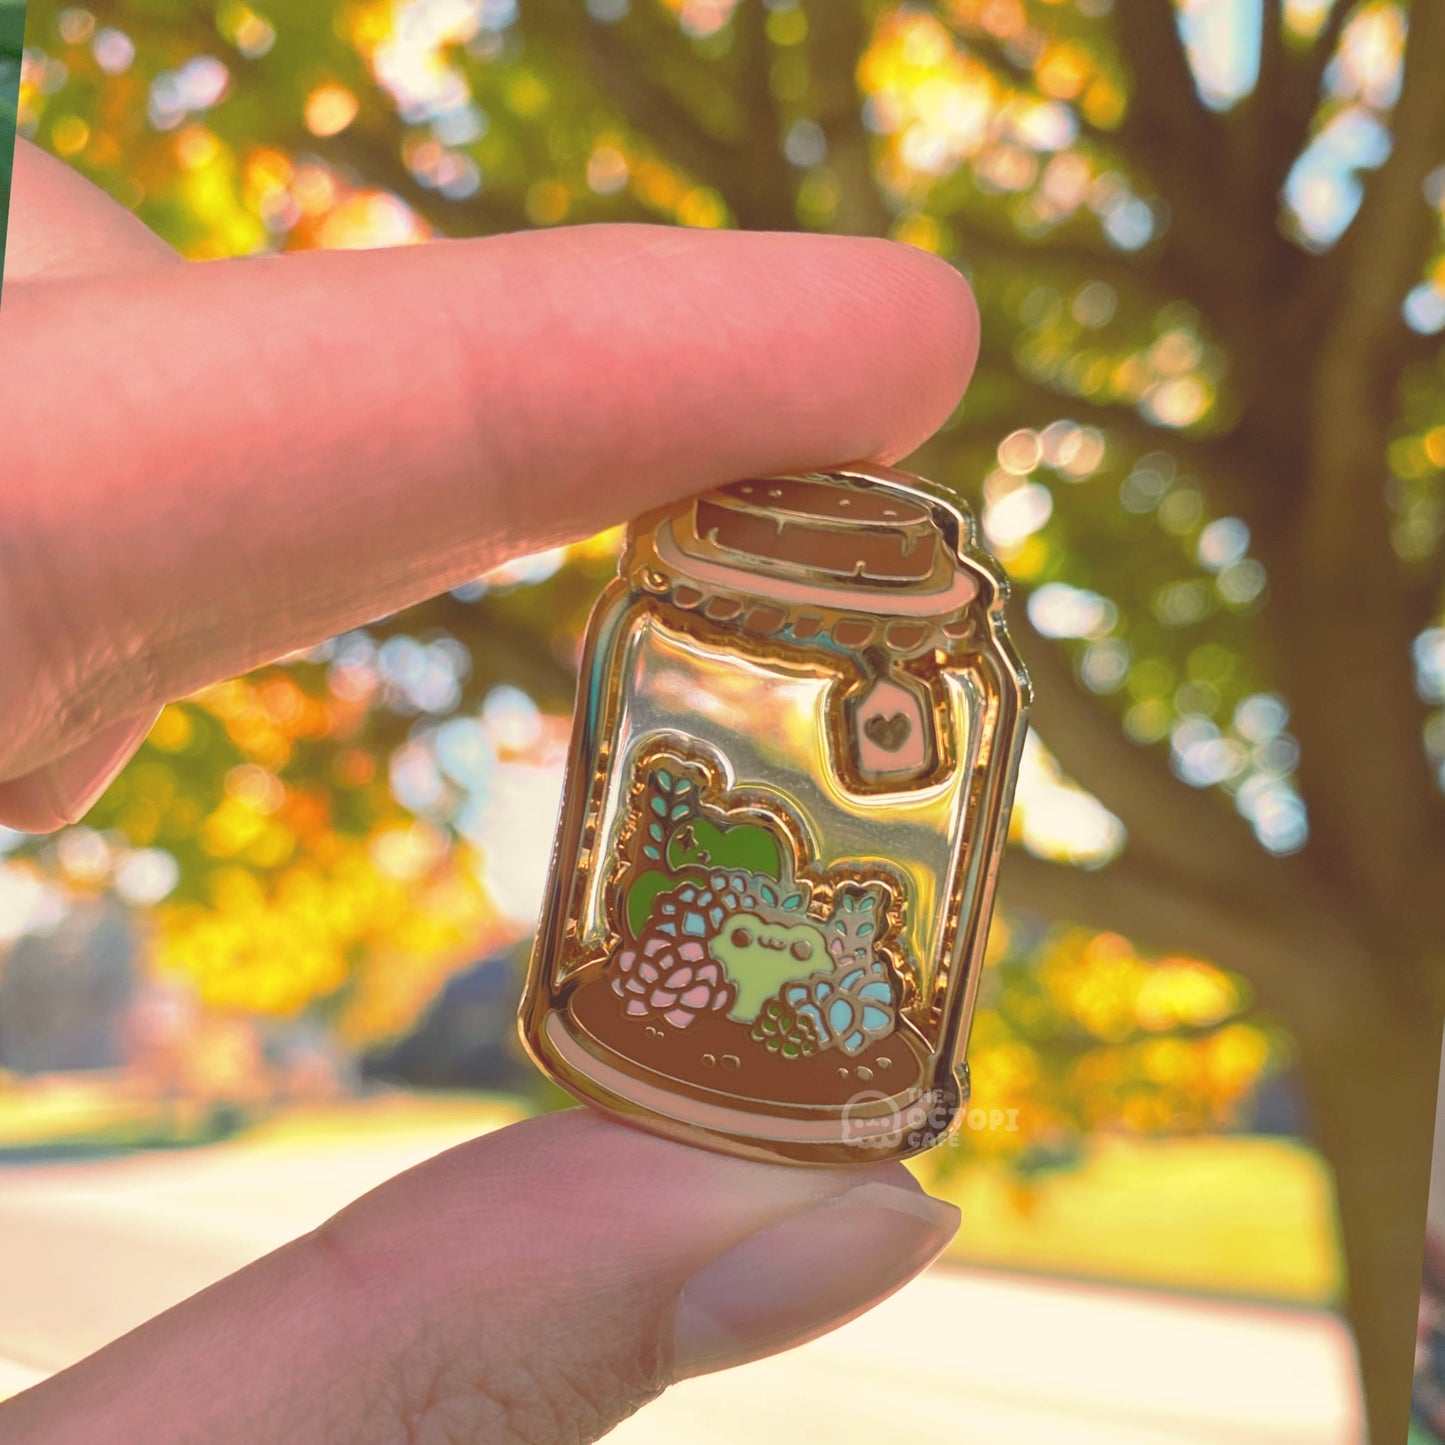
x: 1209, y: 413
x: 12, y: 26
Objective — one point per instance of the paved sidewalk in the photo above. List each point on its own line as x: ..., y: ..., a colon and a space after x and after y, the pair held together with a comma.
x: 88, y: 1250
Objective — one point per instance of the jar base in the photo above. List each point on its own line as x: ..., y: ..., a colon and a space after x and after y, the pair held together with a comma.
x: 826, y: 1109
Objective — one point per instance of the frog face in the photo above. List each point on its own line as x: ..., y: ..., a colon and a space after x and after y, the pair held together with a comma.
x: 760, y: 956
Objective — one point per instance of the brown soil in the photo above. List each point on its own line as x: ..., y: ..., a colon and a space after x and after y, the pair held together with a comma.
x: 715, y: 1054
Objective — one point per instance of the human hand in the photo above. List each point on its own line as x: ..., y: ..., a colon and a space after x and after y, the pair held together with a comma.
x: 210, y: 466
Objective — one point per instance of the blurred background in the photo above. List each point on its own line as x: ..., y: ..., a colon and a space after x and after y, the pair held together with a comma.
x: 1206, y: 438
x: 12, y: 42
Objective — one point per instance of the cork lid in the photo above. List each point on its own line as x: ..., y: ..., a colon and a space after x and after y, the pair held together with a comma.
x: 853, y: 560
x: 816, y: 528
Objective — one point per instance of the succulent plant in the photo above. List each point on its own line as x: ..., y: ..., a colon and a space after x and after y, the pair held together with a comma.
x: 665, y: 979
x: 848, y: 1009
x: 782, y: 1031
x: 675, y: 839
x: 711, y: 921
x: 668, y: 973
x: 853, y: 926
x: 700, y: 906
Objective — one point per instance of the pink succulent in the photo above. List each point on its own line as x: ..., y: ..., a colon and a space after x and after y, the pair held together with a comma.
x: 669, y: 980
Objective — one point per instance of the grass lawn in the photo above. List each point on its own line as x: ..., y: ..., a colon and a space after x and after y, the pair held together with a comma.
x: 84, y: 1114
x: 1238, y: 1216
x: 72, y: 1111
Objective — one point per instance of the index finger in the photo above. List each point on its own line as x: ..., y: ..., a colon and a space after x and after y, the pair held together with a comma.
x: 214, y: 465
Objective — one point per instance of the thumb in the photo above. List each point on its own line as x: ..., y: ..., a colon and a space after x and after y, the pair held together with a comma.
x: 537, y: 1285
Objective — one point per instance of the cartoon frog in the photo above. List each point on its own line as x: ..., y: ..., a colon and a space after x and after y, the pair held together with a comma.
x: 760, y: 954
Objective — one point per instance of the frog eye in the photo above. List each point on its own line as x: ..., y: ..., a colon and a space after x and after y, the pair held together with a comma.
x: 741, y: 938
x: 802, y: 949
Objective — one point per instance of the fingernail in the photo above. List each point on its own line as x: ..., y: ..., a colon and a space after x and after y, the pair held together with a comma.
x: 806, y: 1275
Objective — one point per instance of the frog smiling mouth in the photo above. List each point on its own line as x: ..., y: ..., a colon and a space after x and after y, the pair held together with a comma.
x: 800, y: 948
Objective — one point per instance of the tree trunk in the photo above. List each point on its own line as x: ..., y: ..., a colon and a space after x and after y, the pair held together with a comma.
x: 1372, y: 1098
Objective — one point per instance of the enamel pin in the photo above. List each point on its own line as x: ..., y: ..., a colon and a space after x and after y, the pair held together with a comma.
x: 797, y: 733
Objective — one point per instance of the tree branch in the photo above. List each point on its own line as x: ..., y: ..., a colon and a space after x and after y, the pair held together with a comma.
x: 1175, y: 146
x: 1165, y: 91
x: 1318, y: 990
x: 1179, y: 145
x: 838, y: 36
x: 1316, y: 60
x: 1285, y: 131
x: 623, y: 76
x: 987, y: 51
x: 1271, y: 45
x: 1254, y: 126
x: 1188, y: 834
x: 764, y: 184
x: 1342, y: 599
x: 1381, y: 256
x: 1121, y: 269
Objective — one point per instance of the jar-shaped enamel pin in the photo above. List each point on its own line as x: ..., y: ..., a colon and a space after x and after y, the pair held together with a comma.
x: 797, y: 732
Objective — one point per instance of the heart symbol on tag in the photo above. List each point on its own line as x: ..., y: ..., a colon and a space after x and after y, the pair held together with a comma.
x: 890, y: 733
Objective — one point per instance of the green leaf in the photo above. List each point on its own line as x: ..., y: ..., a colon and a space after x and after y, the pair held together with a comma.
x: 641, y: 895
x: 748, y: 846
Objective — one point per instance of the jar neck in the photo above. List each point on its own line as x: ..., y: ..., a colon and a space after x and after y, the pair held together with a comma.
x: 901, y: 622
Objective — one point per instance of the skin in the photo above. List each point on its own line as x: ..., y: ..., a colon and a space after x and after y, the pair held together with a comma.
x: 208, y: 466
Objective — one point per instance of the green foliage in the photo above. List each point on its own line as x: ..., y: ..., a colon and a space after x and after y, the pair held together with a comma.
x: 12, y: 42
x: 747, y: 846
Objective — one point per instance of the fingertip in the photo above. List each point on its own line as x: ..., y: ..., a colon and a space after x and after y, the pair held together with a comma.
x: 29, y: 804
x: 807, y: 1275
x: 60, y: 793
x: 947, y: 324
x: 942, y: 296
x: 925, y: 321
